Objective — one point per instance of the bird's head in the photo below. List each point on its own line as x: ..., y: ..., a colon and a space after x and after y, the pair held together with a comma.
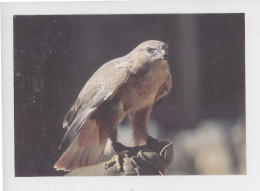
x: 150, y: 51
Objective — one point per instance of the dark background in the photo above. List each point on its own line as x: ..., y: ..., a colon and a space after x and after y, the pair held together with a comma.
x: 55, y: 55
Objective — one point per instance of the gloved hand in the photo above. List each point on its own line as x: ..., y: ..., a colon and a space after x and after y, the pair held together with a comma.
x: 153, y: 158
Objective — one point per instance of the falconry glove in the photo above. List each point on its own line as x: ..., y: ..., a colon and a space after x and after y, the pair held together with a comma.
x: 153, y: 158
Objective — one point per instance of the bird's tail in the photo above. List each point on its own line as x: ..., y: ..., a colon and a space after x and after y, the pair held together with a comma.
x: 86, y: 149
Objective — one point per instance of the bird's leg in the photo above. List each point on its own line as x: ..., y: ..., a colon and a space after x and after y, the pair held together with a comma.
x: 112, y: 134
x: 139, y: 124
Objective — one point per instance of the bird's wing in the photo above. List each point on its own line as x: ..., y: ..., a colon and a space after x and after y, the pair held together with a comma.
x: 102, y: 86
x: 163, y: 90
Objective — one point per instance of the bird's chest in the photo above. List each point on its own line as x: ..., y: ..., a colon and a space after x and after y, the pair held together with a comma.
x: 142, y: 87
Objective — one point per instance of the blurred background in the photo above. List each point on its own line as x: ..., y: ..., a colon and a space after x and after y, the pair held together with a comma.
x: 204, y: 114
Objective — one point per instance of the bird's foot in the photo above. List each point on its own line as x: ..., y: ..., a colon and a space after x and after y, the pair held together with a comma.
x: 118, y: 159
x: 121, y: 152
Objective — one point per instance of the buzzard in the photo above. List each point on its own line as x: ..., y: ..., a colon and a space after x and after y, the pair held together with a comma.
x: 125, y: 86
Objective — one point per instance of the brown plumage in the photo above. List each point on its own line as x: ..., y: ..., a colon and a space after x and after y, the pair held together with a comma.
x: 126, y: 86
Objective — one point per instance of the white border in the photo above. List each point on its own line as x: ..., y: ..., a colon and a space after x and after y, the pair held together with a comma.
x: 247, y: 182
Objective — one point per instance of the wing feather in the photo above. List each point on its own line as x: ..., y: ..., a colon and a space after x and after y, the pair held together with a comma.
x: 102, y: 86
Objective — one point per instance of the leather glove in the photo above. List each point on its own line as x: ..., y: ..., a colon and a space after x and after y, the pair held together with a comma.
x: 153, y: 158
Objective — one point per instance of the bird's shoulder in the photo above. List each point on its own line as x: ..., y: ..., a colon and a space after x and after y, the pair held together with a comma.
x: 104, y: 74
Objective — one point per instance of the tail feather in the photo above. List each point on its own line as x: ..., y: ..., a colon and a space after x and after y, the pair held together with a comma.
x: 86, y: 149
x: 76, y: 156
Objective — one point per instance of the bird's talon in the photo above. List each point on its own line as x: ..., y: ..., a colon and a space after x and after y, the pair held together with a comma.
x: 110, y: 162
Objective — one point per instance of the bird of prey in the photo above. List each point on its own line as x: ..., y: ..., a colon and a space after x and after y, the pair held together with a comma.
x: 125, y: 86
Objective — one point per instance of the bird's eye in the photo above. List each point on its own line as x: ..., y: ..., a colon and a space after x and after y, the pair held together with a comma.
x: 150, y: 50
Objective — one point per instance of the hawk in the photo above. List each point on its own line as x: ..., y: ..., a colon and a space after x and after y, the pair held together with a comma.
x: 125, y: 86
